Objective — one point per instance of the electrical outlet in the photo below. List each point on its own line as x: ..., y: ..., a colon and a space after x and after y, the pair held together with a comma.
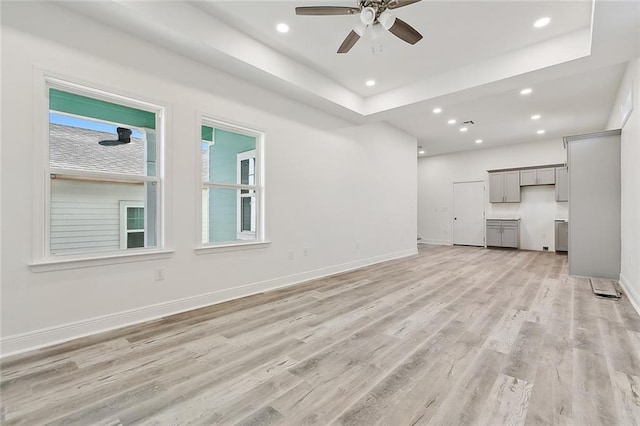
x: 159, y: 274
x: 305, y: 251
x: 545, y: 248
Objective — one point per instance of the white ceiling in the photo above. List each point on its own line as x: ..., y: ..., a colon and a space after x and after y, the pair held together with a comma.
x: 455, y: 33
x: 474, y: 59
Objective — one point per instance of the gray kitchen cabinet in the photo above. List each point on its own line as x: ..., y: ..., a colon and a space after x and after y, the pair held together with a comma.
x: 542, y: 176
x: 504, y: 187
x: 528, y: 177
x: 562, y: 184
x: 546, y: 176
x: 509, y: 236
x: 562, y: 235
x: 503, y: 233
x: 494, y: 233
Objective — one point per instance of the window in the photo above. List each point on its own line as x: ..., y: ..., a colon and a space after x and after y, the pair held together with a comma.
x: 246, y: 169
x: 231, y: 184
x: 103, y: 149
x: 131, y: 224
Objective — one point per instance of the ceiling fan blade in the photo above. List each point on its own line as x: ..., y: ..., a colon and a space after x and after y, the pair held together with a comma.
x: 394, y: 4
x: 405, y: 31
x: 326, y: 10
x: 351, y: 39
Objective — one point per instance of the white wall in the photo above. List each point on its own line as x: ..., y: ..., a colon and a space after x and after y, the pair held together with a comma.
x: 630, y: 175
x: 537, y: 209
x: 345, y: 192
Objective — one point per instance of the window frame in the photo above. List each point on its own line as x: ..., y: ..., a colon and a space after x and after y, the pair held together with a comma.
x: 42, y: 258
x: 246, y: 235
x: 260, y: 239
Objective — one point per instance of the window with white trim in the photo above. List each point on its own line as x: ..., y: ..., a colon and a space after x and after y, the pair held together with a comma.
x: 103, y: 149
x: 232, y: 185
x: 131, y: 224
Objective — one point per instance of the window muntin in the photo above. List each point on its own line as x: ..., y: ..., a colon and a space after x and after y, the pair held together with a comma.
x: 92, y: 167
x: 231, y: 185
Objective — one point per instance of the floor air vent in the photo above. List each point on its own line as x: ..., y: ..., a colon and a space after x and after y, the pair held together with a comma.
x: 605, y: 288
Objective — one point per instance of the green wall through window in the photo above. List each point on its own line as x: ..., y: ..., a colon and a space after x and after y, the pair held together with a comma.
x: 223, y: 169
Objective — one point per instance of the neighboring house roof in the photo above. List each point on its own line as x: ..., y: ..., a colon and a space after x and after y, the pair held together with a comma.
x: 75, y: 148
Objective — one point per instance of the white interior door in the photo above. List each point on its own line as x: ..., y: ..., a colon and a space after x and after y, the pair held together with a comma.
x: 468, y: 213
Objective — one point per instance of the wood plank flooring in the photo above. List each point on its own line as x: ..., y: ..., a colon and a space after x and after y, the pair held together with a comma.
x: 454, y: 335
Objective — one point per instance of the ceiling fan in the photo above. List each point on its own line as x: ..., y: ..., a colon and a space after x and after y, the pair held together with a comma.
x: 372, y: 12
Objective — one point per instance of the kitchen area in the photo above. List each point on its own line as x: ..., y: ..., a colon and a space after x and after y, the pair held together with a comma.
x: 528, y: 208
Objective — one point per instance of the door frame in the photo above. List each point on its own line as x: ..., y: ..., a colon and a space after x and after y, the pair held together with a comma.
x: 484, y: 209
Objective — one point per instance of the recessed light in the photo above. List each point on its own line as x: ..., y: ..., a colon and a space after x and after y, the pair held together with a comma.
x: 370, y: 83
x: 542, y: 22
x: 463, y: 129
x: 526, y: 91
x: 478, y: 140
x: 540, y: 132
x: 437, y: 110
x: 535, y: 117
x: 421, y: 151
x: 452, y: 121
x: 282, y: 28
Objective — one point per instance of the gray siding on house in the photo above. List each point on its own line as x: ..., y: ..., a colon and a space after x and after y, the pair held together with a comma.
x: 85, y: 216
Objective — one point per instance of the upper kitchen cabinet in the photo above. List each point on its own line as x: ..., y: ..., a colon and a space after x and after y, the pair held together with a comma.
x: 542, y: 176
x: 562, y: 184
x: 504, y: 187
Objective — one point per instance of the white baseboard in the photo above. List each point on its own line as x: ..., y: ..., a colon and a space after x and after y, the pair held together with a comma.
x: 437, y: 242
x: 12, y: 345
x: 633, y: 293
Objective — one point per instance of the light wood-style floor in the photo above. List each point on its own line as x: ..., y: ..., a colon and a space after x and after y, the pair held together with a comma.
x: 454, y: 335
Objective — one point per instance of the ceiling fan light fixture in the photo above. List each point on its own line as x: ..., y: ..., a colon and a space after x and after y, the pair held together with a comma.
x: 386, y: 19
x: 368, y: 15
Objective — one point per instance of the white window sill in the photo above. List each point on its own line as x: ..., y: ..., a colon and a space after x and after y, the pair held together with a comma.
x: 232, y: 247
x: 59, y: 264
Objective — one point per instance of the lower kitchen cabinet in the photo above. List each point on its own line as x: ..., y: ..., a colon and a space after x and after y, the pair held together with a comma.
x: 503, y: 233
